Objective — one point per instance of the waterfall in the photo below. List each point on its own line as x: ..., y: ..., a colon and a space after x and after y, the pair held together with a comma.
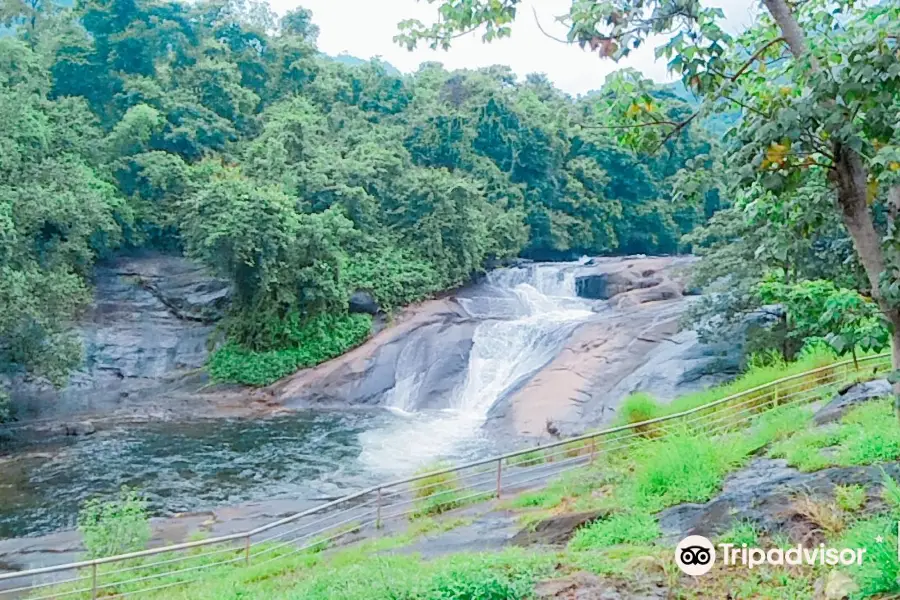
x: 524, y: 316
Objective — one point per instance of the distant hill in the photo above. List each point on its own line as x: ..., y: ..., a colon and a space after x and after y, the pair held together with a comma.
x: 355, y: 61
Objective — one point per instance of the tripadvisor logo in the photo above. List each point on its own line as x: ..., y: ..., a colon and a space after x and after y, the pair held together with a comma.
x: 696, y: 555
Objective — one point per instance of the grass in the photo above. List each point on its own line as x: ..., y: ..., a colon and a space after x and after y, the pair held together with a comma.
x: 827, y: 516
x: 867, y: 434
x: 621, y: 528
x: 436, y: 494
x: 850, y: 498
x: 742, y: 532
x: 879, y: 571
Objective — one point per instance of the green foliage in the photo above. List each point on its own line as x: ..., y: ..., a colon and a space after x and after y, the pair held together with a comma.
x: 878, y: 573
x: 741, y: 533
x: 890, y: 492
x: 393, y: 276
x: 819, y: 309
x: 115, y: 526
x: 866, y: 435
x: 436, y: 494
x: 308, y: 343
x: 222, y: 132
x: 618, y: 528
x: 638, y: 407
x: 816, y: 357
x: 850, y: 498
x: 683, y: 468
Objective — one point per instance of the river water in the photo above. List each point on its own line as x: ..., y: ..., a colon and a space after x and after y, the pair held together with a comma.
x: 524, y: 316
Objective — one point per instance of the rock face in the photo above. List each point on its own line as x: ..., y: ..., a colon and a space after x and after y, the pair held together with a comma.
x: 852, y: 396
x: 557, y: 530
x: 148, y: 324
x: 603, y: 285
x: 431, y: 343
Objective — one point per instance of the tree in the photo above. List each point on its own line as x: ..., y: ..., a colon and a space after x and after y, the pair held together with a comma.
x: 820, y: 310
x: 828, y: 106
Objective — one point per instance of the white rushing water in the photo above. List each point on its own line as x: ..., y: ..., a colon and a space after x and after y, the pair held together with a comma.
x: 525, y: 315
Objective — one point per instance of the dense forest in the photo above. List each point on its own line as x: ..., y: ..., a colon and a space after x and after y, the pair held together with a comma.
x: 217, y: 130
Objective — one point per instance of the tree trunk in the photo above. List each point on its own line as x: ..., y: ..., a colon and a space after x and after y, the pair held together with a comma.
x: 851, y: 177
x: 790, y: 29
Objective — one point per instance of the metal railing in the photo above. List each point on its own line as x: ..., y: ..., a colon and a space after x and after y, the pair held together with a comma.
x: 392, y: 506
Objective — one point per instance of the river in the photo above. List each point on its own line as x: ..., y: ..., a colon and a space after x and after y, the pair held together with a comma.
x: 524, y: 316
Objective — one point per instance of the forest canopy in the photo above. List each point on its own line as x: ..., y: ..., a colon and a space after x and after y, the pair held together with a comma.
x: 218, y: 130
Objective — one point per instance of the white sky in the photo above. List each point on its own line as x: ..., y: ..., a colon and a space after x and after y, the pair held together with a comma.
x: 365, y: 28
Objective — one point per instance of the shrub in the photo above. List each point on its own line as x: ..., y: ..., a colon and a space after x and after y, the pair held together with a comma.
x: 850, y: 497
x: 115, y: 526
x: 637, y: 408
x: 682, y: 468
x: 890, y: 492
x: 317, y: 340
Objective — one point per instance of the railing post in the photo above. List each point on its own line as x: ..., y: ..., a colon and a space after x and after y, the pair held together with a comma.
x: 499, y: 475
x: 247, y: 550
x: 593, y: 449
x: 378, y: 509
x: 94, y: 581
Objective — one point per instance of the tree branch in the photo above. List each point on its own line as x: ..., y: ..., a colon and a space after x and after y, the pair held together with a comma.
x: 755, y: 57
x: 635, y: 125
x: 541, y: 28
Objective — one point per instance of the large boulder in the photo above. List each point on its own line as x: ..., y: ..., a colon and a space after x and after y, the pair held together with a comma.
x: 850, y: 397
x: 603, y: 286
x: 363, y: 302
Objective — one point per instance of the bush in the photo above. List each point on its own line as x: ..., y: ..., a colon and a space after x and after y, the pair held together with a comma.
x: 638, y: 407
x: 393, y: 276
x: 317, y: 340
x: 115, y: 526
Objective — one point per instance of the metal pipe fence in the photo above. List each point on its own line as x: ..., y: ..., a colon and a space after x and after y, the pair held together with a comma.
x: 394, y: 505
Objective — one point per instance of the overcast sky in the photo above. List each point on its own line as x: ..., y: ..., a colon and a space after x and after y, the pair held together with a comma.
x: 365, y: 28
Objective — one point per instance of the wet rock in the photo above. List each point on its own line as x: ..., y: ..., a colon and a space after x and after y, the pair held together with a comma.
x: 558, y: 529
x: 184, y: 287
x: 586, y: 586
x: 146, y: 327
x: 764, y: 493
x: 431, y: 355
x: 363, y: 302
x: 604, y: 285
x: 852, y: 396
x: 666, y: 290
x: 80, y: 428
x: 839, y: 586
